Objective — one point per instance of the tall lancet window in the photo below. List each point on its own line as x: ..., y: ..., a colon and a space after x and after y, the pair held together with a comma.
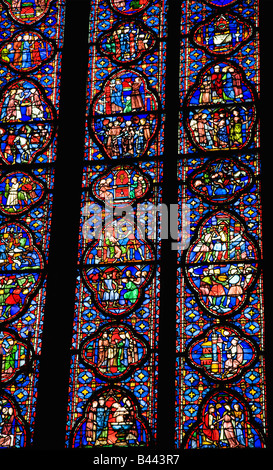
x: 220, y: 373
x: 31, y: 37
x: 114, y: 362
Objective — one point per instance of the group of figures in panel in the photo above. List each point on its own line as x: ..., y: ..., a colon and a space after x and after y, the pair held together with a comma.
x: 113, y: 351
x: 127, y: 42
x: 123, y: 118
x: 25, y: 52
x: 27, y: 127
x: 27, y: 11
x: 111, y: 419
x: 224, y: 422
x: 222, y: 262
x: 117, y: 267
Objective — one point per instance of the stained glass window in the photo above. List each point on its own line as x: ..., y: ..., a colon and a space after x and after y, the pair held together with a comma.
x: 220, y: 321
x: 113, y: 380
x: 31, y: 36
x: 132, y: 310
